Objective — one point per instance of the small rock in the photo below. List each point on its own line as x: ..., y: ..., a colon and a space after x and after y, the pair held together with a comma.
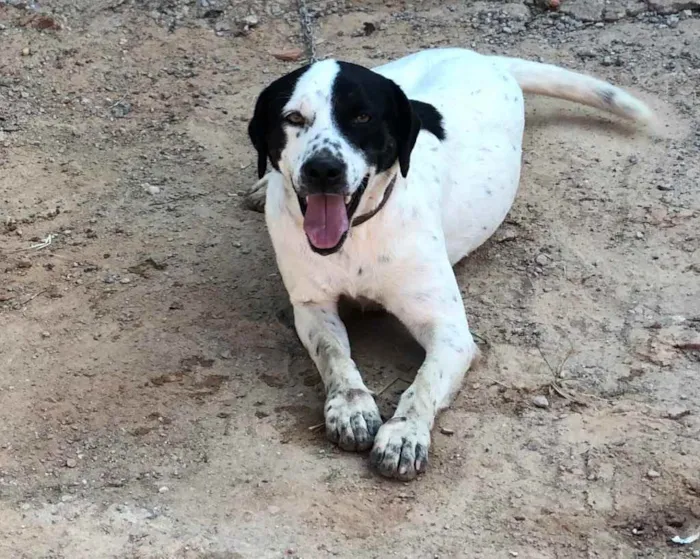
x: 664, y: 187
x: 587, y: 53
x: 633, y: 159
x: 368, y: 28
x: 43, y: 22
x: 653, y: 474
x: 26, y: 51
x: 24, y: 263
x: 542, y: 260
x: 151, y: 188
x: 446, y: 431
x: 46, y: 334
x: 163, y: 489
x: 505, y: 235
x: 677, y: 412
x: 120, y: 109
x: 540, y: 401
x: 71, y: 463
x: 584, y: 10
x: 273, y: 509
x: 251, y: 21
x: 125, y: 280
x: 221, y: 27
x: 696, y: 553
x: 613, y: 14
x: 673, y: 6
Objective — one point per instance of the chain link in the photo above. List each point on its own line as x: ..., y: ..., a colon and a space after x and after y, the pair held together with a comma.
x: 307, y: 31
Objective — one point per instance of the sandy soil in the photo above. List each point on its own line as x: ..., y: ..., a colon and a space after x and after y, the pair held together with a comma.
x: 154, y: 400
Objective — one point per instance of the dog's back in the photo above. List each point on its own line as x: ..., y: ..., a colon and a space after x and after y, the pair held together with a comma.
x: 481, y: 101
x: 476, y: 166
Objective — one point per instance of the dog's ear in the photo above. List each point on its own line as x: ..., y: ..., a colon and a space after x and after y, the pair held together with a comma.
x: 406, y: 127
x: 257, y: 131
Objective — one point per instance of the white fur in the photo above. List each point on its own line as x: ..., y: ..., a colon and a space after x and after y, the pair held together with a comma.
x: 457, y: 193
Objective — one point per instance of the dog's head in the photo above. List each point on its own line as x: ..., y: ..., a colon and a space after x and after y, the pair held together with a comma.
x: 330, y: 128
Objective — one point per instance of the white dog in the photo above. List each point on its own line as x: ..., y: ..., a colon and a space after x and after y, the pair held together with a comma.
x: 383, y: 180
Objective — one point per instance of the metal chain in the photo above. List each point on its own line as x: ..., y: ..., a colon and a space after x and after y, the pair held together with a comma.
x: 307, y: 31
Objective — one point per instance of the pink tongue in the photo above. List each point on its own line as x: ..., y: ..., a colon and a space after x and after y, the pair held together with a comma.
x: 326, y: 220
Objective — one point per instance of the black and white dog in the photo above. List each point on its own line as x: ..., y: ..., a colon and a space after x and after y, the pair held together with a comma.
x: 382, y: 180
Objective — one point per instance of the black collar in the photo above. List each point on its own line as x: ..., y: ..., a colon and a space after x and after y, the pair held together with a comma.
x: 360, y: 219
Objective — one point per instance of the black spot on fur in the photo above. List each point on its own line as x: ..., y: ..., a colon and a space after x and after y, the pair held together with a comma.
x: 607, y: 96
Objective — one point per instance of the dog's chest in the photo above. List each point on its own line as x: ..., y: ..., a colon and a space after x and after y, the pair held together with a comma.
x: 377, y: 259
x: 361, y: 271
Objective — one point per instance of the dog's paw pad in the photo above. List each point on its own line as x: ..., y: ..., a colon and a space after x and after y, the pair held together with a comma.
x: 352, y: 419
x: 401, y: 448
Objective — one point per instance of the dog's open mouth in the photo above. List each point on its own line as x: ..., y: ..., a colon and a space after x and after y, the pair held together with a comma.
x: 327, y: 218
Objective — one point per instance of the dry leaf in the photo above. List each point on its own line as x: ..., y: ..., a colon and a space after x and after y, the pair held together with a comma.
x: 290, y: 55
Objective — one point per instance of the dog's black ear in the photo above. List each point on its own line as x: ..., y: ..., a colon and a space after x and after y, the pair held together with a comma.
x: 257, y: 131
x: 406, y: 127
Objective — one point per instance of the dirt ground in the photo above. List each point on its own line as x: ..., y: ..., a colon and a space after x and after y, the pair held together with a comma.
x: 154, y: 399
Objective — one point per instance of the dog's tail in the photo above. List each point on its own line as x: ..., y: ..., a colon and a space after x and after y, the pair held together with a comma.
x: 552, y: 81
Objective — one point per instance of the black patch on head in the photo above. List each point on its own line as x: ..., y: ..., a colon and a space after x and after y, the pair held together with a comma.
x: 393, y: 125
x: 265, y: 128
x: 430, y: 119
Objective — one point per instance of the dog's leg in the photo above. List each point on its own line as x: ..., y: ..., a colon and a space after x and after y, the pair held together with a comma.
x: 352, y: 416
x: 434, y: 313
x: 256, y: 194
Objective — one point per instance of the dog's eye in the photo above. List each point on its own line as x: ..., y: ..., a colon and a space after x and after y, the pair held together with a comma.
x: 295, y: 118
x: 362, y: 118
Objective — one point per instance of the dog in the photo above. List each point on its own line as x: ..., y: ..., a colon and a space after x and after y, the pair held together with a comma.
x: 382, y: 180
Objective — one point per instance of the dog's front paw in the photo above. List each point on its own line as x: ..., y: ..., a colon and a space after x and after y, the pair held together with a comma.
x: 255, y: 196
x: 352, y: 419
x: 401, y: 448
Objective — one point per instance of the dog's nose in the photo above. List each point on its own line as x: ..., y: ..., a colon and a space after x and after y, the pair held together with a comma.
x: 324, y: 173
